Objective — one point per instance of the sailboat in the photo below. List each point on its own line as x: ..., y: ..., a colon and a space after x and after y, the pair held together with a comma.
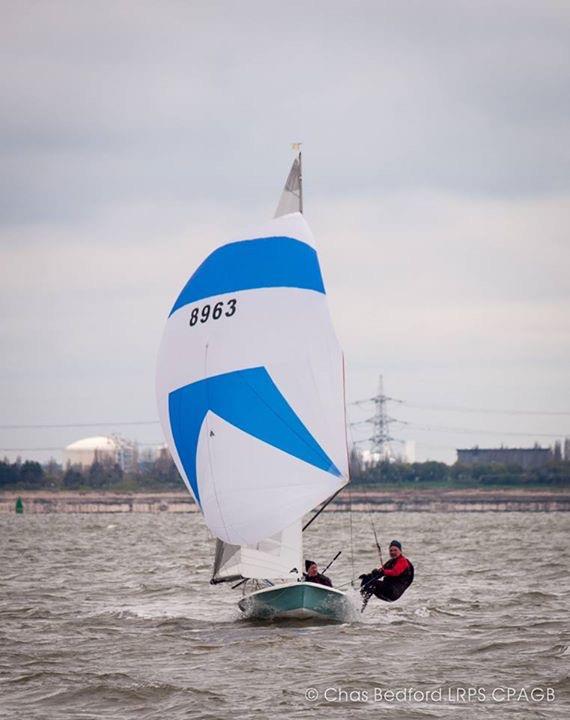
x: 250, y: 392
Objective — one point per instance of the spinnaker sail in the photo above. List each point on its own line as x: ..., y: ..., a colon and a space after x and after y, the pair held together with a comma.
x: 250, y: 386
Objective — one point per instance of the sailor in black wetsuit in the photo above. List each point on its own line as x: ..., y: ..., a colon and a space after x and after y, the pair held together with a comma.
x: 313, y: 575
x: 391, y: 580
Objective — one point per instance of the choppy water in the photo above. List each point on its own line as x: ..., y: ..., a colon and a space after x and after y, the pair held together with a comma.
x: 107, y: 616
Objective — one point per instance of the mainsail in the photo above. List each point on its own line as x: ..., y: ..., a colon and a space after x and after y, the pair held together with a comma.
x: 250, y: 393
x: 276, y: 557
x: 291, y: 199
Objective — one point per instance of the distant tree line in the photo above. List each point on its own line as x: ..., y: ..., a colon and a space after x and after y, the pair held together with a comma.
x: 160, y: 474
x: 433, y: 473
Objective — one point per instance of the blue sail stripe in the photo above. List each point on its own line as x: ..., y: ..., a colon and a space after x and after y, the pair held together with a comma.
x: 251, y: 264
x: 249, y: 400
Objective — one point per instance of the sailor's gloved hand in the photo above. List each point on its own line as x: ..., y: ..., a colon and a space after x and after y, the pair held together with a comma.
x: 366, y: 578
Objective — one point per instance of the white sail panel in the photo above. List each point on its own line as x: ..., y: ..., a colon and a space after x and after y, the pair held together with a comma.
x: 250, y: 384
x: 227, y: 487
x: 276, y: 557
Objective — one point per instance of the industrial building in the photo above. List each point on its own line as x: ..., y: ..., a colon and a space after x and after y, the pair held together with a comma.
x: 527, y: 458
x: 102, y: 448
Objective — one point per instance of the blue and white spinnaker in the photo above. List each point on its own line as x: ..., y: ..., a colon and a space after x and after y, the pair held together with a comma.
x: 250, y: 384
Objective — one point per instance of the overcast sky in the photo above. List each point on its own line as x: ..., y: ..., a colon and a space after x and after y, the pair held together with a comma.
x: 135, y: 136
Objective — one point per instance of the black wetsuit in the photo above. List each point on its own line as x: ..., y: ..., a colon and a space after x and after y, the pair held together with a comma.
x: 319, y: 579
x: 387, y: 585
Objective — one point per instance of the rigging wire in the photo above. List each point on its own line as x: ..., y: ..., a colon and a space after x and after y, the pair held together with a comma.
x: 351, y: 534
x: 350, y: 521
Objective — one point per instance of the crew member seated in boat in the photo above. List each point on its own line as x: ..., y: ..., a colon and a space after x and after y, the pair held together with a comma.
x: 391, y: 580
x: 313, y: 575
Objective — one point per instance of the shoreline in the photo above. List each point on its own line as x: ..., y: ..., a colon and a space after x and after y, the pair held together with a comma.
x: 357, y: 499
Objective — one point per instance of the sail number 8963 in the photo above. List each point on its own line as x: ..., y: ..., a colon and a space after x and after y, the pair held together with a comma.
x: 213, y: 312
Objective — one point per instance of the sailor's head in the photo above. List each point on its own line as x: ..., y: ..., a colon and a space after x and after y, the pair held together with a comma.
x: 311, y: 568
x: 395, y: 549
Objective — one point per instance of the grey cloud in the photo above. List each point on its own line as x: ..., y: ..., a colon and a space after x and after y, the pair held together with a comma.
x: 136, y: 135
x: 186, y: 100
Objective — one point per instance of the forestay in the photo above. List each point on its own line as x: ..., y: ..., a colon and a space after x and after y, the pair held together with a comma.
x: 250, y: 384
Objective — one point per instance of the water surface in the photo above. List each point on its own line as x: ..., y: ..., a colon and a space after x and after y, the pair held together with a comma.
x: 112, y: 616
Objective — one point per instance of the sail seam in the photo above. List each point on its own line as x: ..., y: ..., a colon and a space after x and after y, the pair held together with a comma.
x: 208, y: 442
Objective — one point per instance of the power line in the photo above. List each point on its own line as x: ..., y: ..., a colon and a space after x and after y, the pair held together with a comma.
x: 372, y: 420
x: 29, y: 449
x: 49, y: 426
x: 435, y: 447
x: 469, y: 431
x: 54, y: 449
x: 463, y: 408
x: 479, y: 431
x: 460, y: 408
x: 377, y: 400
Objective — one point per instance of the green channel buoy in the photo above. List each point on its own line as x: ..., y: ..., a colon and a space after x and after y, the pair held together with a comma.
x: 19, y: 506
